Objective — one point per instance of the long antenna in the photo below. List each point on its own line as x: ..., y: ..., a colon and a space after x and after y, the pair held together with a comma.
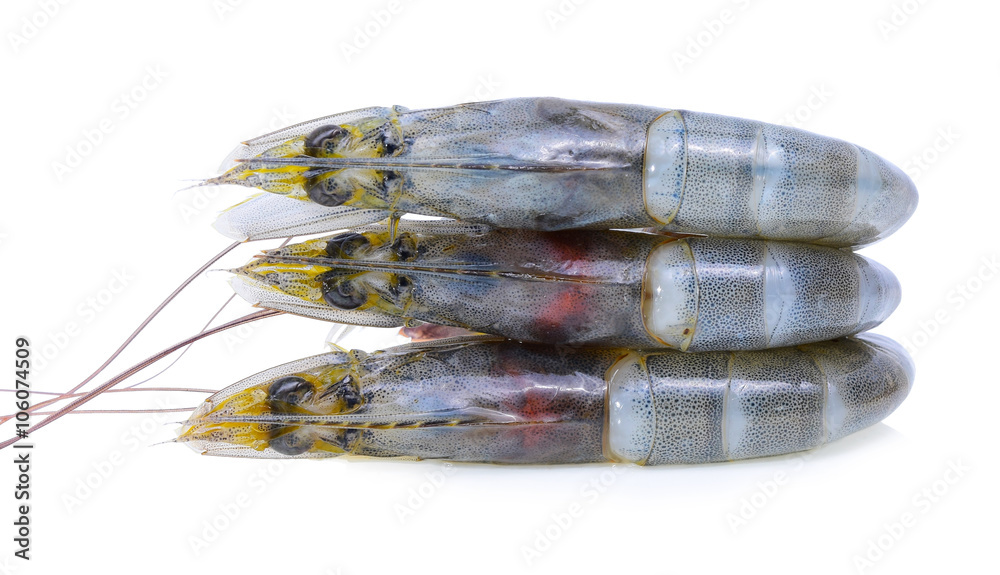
x: 156, y: 311
x: 178, y: 358
x: 142, y: 365
x: 57, y: 397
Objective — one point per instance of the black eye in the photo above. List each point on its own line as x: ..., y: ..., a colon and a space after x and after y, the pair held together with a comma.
x: 405, y: 247
x: 344, y: 245
x: 327, y: 191
x: 343, y: 293
x: 291, y: 390
x: 324, y: 139
x: 293, y: 443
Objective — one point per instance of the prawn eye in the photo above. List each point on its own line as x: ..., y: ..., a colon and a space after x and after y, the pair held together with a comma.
x: 405, y: 247
x: 324, y: 139
x: 327, y: 191
x: 345, y: 245
x: 343, y: 293
x: 293, y: 443
x: 291, y: 390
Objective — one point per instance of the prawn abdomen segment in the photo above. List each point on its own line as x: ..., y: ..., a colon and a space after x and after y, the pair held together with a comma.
x: 703, y: 294
x: 730, y: 177
x: 719, y: 406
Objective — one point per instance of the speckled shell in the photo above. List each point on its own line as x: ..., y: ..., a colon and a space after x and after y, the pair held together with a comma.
x: 732, y: 177
x: 707, y: 407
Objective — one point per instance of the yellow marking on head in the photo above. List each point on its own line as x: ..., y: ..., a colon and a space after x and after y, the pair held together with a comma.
x: 265, y: 268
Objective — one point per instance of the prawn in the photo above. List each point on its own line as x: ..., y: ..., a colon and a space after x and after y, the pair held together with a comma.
x: 551, y: 164
x: 546, y: 169
x: 491, y: 400
x: 607, y: 288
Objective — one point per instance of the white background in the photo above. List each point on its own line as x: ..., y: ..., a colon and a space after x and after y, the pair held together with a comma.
x: 890, y: 75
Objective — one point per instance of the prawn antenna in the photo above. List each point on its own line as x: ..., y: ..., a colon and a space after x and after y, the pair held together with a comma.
x: 142, y: 365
